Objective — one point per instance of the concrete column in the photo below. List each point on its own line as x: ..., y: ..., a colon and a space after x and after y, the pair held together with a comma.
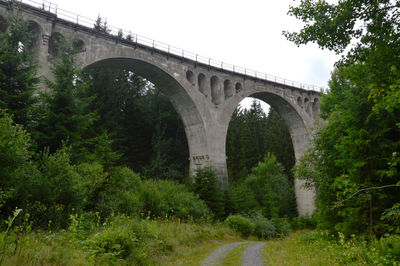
x: 305, y: 198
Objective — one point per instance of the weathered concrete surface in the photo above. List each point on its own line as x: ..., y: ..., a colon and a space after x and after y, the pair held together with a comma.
x: 204, y: 96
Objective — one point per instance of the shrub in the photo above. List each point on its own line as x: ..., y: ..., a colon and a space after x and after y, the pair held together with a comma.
x: 303, y: 222
x: 264, y: 228
x: 59, y: 192
x: 162, y: 198
x: 120, y: 193
x: 282, y: 226
x: 17, y: 174
x: 240, y: 224
x: 117, y: 241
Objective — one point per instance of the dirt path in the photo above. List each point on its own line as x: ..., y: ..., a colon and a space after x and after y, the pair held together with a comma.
x: 251, y: 256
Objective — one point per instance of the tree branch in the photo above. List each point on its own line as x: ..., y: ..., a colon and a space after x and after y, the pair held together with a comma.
x: 361, y: 190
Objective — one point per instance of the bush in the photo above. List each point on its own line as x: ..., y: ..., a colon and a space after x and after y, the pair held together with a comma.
x: 302, y: 222
x: 162, y: 198
x: 240, y: 224
x: 59, y: 192
x: 126, y: 193
x: 282, y: 226
x: 17, y: 174
x: 116, y: 240
x: 120, y: 193
x: 264, y: 228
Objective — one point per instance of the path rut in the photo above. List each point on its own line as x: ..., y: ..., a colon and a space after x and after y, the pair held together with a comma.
x: 251, y: 256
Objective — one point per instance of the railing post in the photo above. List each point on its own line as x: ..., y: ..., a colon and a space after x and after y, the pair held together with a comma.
x: 77, y: 19
x: 196, y: 57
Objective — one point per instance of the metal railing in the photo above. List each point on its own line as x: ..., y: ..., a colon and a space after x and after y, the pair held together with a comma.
x: 138, y: 39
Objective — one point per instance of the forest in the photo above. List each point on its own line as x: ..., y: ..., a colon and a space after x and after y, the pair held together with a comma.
x: 94, y: 162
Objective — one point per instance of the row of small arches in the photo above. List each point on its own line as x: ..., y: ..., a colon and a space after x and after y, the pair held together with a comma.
x: 311, y: 107
x: 214, y: 87
x: 35, y: 32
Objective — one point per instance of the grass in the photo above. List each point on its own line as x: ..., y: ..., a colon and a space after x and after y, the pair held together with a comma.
x: 235, y: 256
x: 320, y: 248
x: 293, y: 251
x: 121, y: 241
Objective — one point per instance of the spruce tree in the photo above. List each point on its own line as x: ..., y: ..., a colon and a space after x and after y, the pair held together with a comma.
x: 66, y: 116
x: 18, y: 73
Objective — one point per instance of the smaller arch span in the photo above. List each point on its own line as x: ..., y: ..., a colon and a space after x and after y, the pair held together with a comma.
x: 3, y: 24
x: 201, y: 79
x: 54, y: 43
x: 228, y: 89
x: 238, y: 87
x: 35, y: 32
x: 215, y: 90
x: 190, y: 77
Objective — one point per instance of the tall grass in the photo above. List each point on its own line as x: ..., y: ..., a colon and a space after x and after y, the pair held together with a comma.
x: 120, y: 240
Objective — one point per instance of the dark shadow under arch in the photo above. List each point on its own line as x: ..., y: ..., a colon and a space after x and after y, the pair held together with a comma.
x: 293, y: 120
x: 180, y: 99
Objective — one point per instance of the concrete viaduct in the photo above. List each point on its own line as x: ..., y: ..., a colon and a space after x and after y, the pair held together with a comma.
x: 203, y: 95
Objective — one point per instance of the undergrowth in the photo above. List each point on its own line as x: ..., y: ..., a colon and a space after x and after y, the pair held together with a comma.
x: 119, y: 240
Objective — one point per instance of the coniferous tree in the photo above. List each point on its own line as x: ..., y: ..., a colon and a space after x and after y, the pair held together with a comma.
x: 66, y: 116
x: 18, y: 73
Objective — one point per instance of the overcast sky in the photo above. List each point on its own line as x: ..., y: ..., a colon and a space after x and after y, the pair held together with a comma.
x: 242, y: 33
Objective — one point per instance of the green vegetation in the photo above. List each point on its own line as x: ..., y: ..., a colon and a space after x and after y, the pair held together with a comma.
x: 68, y: 192
x: 353, y: 161
x: 118, y: 240
x: 93, y: 171
x: 322, y: 248
x: 235, y: 256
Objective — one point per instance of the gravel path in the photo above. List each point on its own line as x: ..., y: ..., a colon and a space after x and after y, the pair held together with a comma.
x: 218, y: 255
x: 251, y: 256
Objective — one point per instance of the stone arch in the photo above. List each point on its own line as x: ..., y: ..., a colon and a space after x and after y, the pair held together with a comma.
x: 3, y: 24
x: 297, y: 125
x: 315, y: 107
x: 238, y: 87
x: 228, y: 89
x: 182, y: 102
x: 190, y: 77
x: 215, y: 90
x: 54, y: 41
x: 307, y: 105
x: 36, y: 31
x: 201, y: 80
x: 300, y: 102
x: 78, y: 45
